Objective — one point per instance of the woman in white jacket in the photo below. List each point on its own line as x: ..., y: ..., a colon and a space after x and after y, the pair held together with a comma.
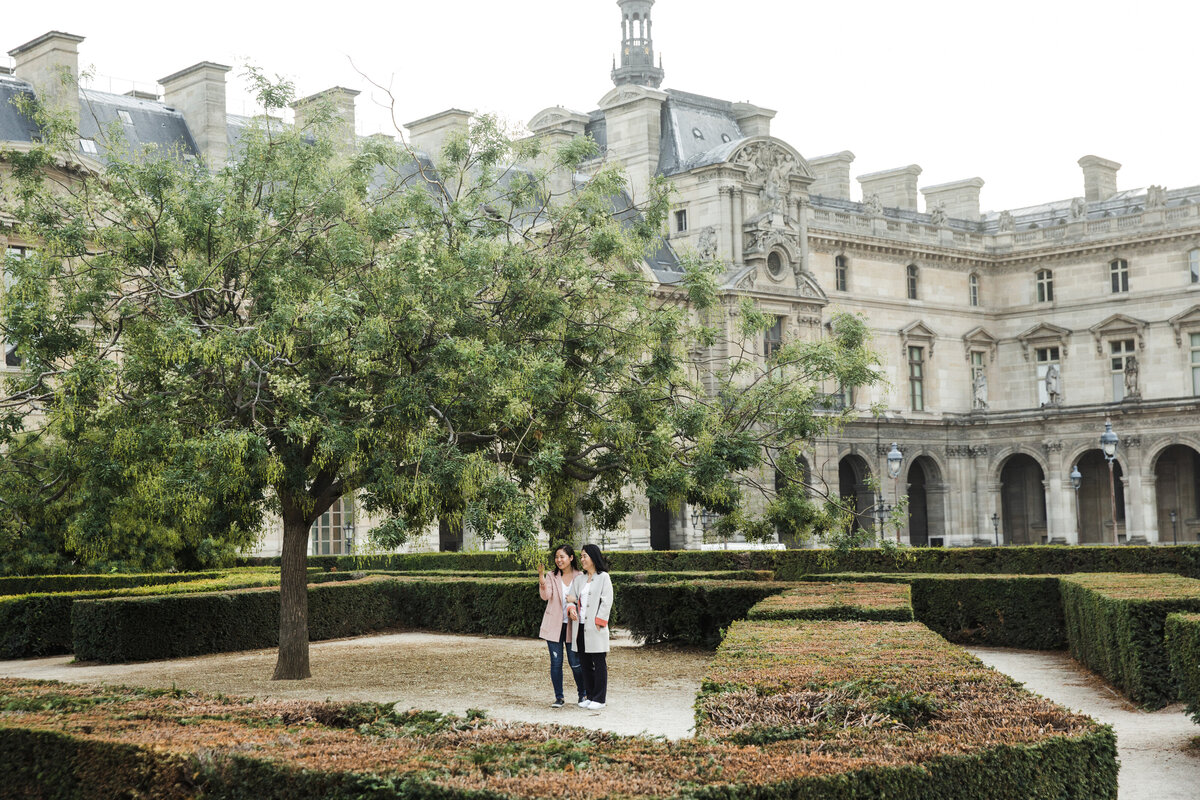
x: 589, y: 605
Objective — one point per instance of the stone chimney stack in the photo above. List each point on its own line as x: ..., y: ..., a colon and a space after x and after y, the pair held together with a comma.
x: 832, y: 175
x: 1099, y: 178
x: 198, y: 93
x: 428, y: 134
x: 753, y: 120
x: 51, y: 64
x: 959, y: 199
x: 340, y: 101
x: 896, y: 188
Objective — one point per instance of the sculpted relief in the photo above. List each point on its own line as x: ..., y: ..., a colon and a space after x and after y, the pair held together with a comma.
x: 770, y: 167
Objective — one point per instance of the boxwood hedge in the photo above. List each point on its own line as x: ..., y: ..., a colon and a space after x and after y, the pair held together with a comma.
x: 1182, y: 640
x: 841, y: 600
x: 999, y: 610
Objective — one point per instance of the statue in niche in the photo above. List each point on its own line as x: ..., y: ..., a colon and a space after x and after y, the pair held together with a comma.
x: 980, y: 390
x: 1053, y: 386
x: 770, y: 168
x: 1078, y: 209
x: 707, y: 244
x: 1007, y: 223
x: 1156, y: 197
x: 938, y: 215
x: 1131, y: 377
x: 874, y: 205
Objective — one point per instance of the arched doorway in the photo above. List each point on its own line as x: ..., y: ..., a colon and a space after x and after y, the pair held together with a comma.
x: 1176, y: 473
x: 926, y: 517
x: 660, y: 527
x: 853, y: 473
x: 1023, y: 500
x: 1095, y: 505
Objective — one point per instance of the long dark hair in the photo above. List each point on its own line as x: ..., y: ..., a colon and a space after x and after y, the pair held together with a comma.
x: 570, y: 551
x: 593, y: 552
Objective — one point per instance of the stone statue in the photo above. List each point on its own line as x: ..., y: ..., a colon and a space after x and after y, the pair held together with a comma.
x: 1131, y: 377
x: 874, y: 205
x: 1007, y: 224
x: 980, y: 389
x: 1053, y: 388
x: 1078, y: 209
x: 1156, y: 197
x: 938, y: 215
x: 707, y: 244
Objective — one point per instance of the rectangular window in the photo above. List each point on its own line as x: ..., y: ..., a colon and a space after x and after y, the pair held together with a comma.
x: 334, y: 530
x: 88, y: 146
x: 773, y: 340
x: 839, y: 273
x: 973, y: 289
x: 916, y: 377
x: 681, y: 220
x: 1120, y: 350
x: 1045, y: 286
x: 125, y: 116
x: 1119, y: 272
x: 1195, y: 337
x: 1194, y: 264
x: 1047, y: 357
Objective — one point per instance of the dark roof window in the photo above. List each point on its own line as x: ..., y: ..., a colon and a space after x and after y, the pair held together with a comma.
x: 699, y: 134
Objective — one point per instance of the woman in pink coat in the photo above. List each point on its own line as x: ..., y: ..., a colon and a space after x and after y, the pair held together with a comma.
x: 553, y: 589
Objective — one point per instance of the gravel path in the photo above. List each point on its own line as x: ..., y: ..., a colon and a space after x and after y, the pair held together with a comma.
x: 1151, y: 745
x: 651, y: 689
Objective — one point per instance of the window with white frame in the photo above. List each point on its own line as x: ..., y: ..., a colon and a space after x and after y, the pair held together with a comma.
x: 125, y: 116
x: 773, y: 339
x: 1120, y: 351
x: 916, y: 377
x: 910, y: 274
x: 973, y: 289
x: 681, y: 220
x: 840, y: 265
x: 88, y: 146
x: 1046, y: 358
x: 1118, y: 270
x: 333, y: 532
x: 1194, y: 264
x: 1044, y: 279
x: 1195, y: 360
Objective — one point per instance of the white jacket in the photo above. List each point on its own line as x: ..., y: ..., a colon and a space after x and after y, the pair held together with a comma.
x: 599, y: 606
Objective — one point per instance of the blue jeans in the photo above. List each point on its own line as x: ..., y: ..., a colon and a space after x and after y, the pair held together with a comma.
x: 556, y: 670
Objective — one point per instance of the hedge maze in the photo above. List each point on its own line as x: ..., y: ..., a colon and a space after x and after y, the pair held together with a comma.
x: 833, y: 676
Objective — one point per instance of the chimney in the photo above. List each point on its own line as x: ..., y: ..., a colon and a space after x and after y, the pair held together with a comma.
x: 429, y: 133
x: 752, y: 119
x: 832, y: 175
x: 1099, y: 178
x: 48, y: 61
x: 960, y: 199
x: 340, y: 102
x: 198, y: 93
x: 896, y: 188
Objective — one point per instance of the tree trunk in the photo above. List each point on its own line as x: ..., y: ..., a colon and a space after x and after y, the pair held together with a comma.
x: 564, y: 521
x: 292, y: 663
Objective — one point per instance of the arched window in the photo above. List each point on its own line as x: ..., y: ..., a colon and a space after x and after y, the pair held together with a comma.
x: 973, y: 289
x: 840, y: 264
x: 1118, y: 270
x: 1044, y: 279
x: 911, y: 273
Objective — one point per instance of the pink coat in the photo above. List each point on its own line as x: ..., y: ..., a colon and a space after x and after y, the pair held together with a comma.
x: 551, y: 590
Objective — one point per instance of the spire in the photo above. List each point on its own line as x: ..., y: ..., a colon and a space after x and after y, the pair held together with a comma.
x: 637, y: 46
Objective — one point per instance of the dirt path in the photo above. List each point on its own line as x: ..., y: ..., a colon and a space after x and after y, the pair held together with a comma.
x: 1154, y: 765
x: 651, y: 689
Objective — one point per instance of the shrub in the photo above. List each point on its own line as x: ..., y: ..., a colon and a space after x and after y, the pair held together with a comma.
x: 1115, y: 626
x: 1182, y: 641
x: 90, y: 583
x: 998, y: 610
x: 842, y: 600
x: 689, y: 612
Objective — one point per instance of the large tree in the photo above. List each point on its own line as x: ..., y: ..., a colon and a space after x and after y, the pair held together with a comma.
x: 440, y: 338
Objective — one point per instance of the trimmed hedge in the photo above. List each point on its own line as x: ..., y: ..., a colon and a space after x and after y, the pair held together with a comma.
x: 1182, y: 640
x: 997, y: 610
x: 900, y: 693
x: 689, y: 612
x: 41, y: 584
x: 882, y: 602
x: 793, y: 565
x: 618, y: 578
x: 1115, y: 626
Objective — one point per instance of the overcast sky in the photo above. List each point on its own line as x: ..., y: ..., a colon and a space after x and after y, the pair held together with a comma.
x: 1013, y: 92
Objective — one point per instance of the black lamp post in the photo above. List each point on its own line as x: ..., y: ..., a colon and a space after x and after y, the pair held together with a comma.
x: 894, y: 459
x: 1076, y: 482
x: 1108, y: 443
x: 1174, y: 527
x: 882, y: 512
x: 349, y: 530
x: 996, y: 528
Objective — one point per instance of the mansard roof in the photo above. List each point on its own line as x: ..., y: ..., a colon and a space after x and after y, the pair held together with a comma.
x: 696, y: 131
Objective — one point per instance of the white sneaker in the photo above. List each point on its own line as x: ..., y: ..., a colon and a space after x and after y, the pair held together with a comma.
x: 594, y: 706
x: 585, y: 703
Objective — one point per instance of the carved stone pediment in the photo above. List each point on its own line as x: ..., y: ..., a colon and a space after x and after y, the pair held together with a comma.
x: 629, y: 93
x: 557, y: 117
x: 979, y: 339
x: 1185, y: 321
x: 917, y: 334
x: 1119, y: 326
x: 1044, y: 335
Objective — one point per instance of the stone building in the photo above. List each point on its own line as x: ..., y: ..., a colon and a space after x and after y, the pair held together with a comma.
x: 1008, y: 338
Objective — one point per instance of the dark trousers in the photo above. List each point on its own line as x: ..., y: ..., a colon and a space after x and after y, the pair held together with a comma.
x: 595, y: 671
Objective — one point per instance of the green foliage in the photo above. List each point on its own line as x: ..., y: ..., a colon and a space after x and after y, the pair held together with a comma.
x: 992, y: 610
x: 689, y: 612
x: 1182, y: 641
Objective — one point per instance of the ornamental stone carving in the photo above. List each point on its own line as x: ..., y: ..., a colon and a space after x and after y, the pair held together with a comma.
x: 769, y: 167
x: 706, y: 246
x: 1052, y: 447
x: 1007, y: 223
x: 1156, y: 197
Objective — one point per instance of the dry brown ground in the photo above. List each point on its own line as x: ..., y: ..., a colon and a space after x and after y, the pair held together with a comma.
x: 651, y: 689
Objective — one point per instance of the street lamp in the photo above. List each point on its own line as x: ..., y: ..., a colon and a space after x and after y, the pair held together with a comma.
x: 349, y: 530
x: 1108, y: 443
x: 894, y: 459
x: 882, y: 512
x: 1076, y: 482
x: 996, y: 527
x: 1174, y: 528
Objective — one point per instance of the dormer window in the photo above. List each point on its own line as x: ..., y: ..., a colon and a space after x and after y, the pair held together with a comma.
x: 125, y: 116
x: 699, y: 134
x: 725, y: 138
x: 88, y: 146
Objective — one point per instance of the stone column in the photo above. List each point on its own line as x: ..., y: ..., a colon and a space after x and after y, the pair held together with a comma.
x: 739, y: 212
x: 1136, y: 516
x: 994, y: 505
x: 802, y: 207
x: 1156, y: 530
x: 726, y: 206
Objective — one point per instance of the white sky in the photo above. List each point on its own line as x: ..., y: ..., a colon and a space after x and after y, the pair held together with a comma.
x: 1013, y: 92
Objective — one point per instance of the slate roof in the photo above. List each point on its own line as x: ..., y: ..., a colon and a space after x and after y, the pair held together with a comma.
x: 151, y: 124
x: 696, y: 131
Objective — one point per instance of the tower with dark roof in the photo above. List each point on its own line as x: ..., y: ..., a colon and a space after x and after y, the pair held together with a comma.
x: 637, y: 46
